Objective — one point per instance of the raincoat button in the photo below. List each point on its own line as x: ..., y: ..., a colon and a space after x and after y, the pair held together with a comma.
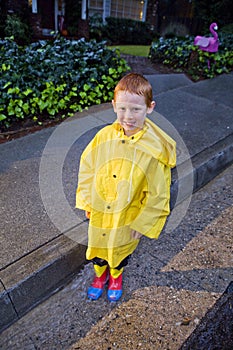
x: 108, y: 207
x: 114, y: 176
x: 123, y: 141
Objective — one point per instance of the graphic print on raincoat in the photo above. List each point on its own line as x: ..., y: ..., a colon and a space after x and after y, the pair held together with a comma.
x: 124, y: 182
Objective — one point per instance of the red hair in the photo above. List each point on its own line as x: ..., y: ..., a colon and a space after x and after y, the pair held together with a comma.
x: 135, y: 83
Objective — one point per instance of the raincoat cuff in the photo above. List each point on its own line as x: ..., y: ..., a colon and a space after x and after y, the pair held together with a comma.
x: 153, y: 232
x: 82, y: 206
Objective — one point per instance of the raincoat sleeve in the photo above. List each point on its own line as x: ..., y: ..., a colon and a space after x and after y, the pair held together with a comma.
x: 86, y: 176
x: 156, y: 202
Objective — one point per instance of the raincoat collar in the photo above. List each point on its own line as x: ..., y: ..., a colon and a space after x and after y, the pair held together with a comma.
x: 133, y: 138
x: 151, y: 140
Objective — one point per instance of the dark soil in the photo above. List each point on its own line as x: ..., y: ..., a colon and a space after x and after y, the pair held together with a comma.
x: 138, y: 64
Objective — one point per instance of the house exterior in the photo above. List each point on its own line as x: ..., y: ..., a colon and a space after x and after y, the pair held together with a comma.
x: 52, y: 11
x: 44, y: 15
x: 47, y: 16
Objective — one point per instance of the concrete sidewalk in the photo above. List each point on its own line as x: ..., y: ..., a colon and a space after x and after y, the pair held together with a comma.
x: 185, y: 299
x: 173, y: 288
x: 42, y: 236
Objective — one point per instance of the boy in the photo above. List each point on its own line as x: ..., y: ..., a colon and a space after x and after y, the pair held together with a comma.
x: 124, y: 184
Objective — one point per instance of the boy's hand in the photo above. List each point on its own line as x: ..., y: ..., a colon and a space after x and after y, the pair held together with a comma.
x: 136, y: 234
x: 88, y: 214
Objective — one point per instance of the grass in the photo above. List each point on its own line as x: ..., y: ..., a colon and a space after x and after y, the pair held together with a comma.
x: 135, y: 50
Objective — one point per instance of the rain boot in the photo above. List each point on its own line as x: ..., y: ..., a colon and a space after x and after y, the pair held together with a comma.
x: 115, y: 285
x: 96, y: 289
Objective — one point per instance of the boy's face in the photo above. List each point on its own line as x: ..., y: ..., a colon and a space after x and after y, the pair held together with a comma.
x: 131, y: 110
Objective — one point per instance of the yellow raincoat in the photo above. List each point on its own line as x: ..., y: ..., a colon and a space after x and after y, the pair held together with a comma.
x: 124, y: 182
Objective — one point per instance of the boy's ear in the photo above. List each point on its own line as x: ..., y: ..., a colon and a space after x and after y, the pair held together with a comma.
x: 151, y: 108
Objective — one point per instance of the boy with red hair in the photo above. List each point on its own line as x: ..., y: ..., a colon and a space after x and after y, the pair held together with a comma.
x: 124, y: 184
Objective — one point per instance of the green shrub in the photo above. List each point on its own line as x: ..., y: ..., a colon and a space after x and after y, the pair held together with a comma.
x: 97, y: 27
x: 49, y: 79
x: 121, y: 31
x: 15, y: 27
x: 183, y: 56
x: 172, y: 51
x: 228, y: 29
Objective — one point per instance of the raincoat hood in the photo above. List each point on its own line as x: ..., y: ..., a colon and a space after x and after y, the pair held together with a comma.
x: 153, y: 141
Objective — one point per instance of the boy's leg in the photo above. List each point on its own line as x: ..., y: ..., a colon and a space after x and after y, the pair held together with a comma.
x: 101, y: 271
x: 115, y: 273
x: 115, y: 281
x: 115, y: 284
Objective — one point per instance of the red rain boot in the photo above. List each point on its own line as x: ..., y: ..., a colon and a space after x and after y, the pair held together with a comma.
x: 115, y: 288
x: 96, y: 289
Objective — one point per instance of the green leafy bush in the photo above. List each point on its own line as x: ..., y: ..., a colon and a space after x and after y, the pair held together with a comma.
x: 48, y: 79
x: 121, y: 31
x: 183, y: 56
x: 96, y: 27
x: 15, y: 27
x: 228, y: 29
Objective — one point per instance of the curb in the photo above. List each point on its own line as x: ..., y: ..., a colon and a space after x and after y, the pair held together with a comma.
x: 207, y: 165
x: 215, y: 328
x: 36, y: 276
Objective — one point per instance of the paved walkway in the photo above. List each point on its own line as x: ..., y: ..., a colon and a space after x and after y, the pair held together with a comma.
x: 42, y: 236
x: 183, y: 296
x: 173, y: 287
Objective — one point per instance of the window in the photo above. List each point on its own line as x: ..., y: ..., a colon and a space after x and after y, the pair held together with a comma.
x: 95, y: 7
x: 133, y: 9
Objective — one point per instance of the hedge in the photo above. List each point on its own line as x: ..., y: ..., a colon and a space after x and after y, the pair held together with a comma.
x: 183, y: 56
x: 48, y: 79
